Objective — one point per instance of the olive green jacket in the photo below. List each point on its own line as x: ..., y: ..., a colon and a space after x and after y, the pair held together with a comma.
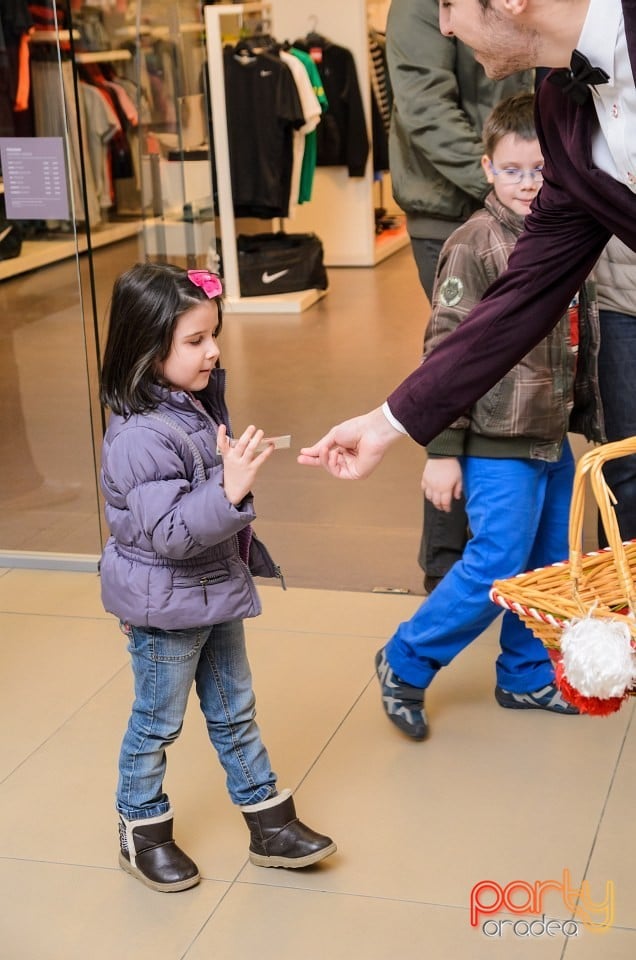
x: 441, y: 99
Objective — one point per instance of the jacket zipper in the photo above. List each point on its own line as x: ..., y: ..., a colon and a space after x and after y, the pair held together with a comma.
x: 204, y: 581
x: 278, y: 573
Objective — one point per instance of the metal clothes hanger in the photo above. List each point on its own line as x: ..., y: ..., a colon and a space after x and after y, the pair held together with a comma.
x: 313, y: 38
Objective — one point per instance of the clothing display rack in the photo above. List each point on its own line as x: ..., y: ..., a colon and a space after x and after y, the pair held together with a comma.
x: 216, y: 15
x: 36, y: 253
x: 342, y: 211
x: 176, y: 170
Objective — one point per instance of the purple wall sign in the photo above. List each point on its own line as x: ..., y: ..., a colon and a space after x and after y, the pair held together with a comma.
x: 34, y: 175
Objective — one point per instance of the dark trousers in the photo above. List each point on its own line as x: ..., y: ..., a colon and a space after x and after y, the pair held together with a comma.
x: 444, y: 535
x: 426, y: 254
x: 617, y: 382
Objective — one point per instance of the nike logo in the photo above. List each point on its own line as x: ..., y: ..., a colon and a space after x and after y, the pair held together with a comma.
x: 5, y: 233
x: 270, y: 277
x: 266, y: 73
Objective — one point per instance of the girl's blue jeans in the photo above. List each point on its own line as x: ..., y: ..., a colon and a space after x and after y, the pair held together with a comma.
x: 518, y: 515
x: 166, y: 663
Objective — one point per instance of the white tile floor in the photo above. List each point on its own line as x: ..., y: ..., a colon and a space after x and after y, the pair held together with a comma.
x: 493, y: 795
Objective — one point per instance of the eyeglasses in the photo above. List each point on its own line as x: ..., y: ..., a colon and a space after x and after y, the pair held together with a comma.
x: 514, y: 175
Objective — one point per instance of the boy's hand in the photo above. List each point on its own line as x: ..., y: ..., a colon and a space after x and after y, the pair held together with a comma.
x: 442, y: 481
x: 241, y: 462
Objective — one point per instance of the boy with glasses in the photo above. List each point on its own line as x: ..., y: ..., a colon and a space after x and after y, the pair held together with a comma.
x: 441, y: 97
x: 508, y: 453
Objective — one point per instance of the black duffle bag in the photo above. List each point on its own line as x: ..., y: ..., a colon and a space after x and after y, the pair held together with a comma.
x: 270, y: 263
x: 10, y: 239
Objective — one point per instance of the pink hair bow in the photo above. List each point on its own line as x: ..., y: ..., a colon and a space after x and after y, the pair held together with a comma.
x: 209, y: 282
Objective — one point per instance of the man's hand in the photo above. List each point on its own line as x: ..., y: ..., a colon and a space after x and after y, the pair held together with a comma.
x: 353, y: 449
x: 442, y: 481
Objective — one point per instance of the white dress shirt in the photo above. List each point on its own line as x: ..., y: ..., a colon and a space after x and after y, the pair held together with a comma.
x: 604, y: 43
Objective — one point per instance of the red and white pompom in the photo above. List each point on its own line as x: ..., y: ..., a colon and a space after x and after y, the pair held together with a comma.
x: 598, y: 664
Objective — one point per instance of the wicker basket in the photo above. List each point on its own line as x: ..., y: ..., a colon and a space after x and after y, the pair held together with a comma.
x: 599, y: 584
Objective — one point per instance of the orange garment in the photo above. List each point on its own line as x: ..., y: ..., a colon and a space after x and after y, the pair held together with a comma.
x: 24, y: 77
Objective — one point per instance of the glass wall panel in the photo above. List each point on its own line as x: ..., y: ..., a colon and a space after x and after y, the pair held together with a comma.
x: 117, y: 91
x: 174, y: 138
x: 48, y: 417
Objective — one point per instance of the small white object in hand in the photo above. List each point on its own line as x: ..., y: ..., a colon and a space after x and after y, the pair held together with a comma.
x: 598, y: 657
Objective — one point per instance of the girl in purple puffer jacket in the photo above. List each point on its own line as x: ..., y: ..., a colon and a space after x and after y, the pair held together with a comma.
x: 176, y: 569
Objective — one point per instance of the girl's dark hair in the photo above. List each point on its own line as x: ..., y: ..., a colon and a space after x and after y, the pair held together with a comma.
x: 147, y: 301
x: 513, y: 115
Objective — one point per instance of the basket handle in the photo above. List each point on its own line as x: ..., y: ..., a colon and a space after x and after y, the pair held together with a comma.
x: 592, y: 463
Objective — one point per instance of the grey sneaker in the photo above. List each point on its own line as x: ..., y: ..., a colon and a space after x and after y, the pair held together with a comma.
x: 547, y: 698
x: 403, y: 704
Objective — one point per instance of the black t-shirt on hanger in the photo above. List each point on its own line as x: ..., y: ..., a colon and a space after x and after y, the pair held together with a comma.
x: 263, y: 109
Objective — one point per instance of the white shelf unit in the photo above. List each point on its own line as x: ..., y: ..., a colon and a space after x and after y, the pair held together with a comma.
x: 215, y: 16
x: 42, y: 253
x: 342, y: 208
x: 103, y: 56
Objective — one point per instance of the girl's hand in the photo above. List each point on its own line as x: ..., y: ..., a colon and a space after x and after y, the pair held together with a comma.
x: 241, y: 463
x: 442, y: 481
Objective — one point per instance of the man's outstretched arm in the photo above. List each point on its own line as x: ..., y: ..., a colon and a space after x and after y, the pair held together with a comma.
x: 554, y: 255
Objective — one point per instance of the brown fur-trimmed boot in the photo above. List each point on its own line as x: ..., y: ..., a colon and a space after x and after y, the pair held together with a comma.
x: 148, y: 852
x: 279, y: 838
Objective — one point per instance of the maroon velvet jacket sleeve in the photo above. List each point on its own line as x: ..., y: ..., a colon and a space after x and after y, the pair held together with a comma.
x: 556, y: 252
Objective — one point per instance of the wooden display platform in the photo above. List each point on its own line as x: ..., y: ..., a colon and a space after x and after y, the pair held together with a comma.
x: 42, y: 253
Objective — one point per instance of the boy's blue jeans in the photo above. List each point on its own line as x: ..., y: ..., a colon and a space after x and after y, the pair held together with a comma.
x: 518, y: 514
x: 165, y: 665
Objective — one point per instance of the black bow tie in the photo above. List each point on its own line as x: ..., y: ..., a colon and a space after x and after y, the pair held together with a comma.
x: 576, y: 81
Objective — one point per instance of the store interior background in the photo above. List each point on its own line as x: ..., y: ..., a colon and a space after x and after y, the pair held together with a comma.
x: 296, y: 374
x: 289, y: 372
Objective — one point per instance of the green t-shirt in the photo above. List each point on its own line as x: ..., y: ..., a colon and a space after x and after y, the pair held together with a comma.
x: 311, y: 147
